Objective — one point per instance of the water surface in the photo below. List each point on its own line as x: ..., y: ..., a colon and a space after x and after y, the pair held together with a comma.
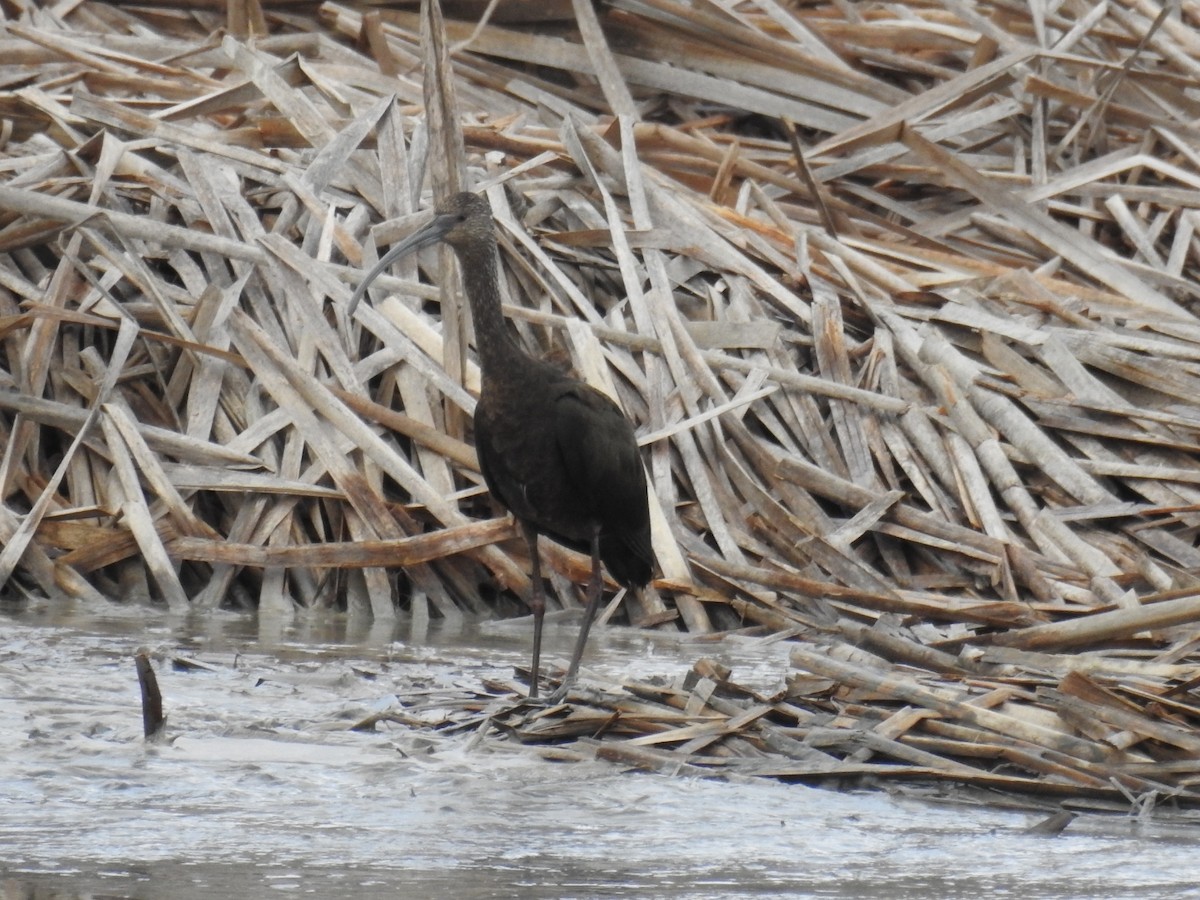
x: 263, y: 791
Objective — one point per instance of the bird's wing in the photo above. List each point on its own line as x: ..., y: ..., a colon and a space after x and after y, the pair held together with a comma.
x: 600, y: 456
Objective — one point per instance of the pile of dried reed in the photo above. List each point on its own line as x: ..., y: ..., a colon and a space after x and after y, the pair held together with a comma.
x: 901, y: 295
x: 1036, y: 730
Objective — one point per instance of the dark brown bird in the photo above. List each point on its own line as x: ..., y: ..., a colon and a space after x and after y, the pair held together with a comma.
x: 557, y: 453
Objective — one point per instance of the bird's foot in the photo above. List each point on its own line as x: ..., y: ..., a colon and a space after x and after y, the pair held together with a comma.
x: 538, y: 704
x: 554, y: 698
x: 559, y: 694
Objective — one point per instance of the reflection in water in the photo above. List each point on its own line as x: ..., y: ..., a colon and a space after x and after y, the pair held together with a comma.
x: 263, y: 790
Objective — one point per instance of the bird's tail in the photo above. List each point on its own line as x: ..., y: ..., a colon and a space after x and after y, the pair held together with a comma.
x: 629, y: 559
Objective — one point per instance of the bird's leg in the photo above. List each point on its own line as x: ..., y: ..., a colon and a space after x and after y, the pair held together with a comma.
x: 537, y: 606
x: 595, y: 590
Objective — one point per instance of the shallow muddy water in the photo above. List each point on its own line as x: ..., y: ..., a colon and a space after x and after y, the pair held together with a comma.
x: 264, y: 792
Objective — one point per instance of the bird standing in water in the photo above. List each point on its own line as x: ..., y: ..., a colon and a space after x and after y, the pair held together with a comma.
x: 557, y: 453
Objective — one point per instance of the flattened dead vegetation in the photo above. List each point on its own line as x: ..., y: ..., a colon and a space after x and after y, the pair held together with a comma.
x: 901, y: 296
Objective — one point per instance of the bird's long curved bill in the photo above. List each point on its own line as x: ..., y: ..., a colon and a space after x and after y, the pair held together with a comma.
x: 430, y: 234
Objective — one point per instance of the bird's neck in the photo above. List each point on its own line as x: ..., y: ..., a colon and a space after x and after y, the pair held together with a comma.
x: 481, y: 279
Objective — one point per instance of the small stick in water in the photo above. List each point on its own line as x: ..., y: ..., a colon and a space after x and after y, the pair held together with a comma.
x: 153, y: 719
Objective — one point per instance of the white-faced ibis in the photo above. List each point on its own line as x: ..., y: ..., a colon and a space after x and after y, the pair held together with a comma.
x: 557, y: 453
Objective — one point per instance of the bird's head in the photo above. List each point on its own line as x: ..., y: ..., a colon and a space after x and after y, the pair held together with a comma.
x: 461, y: 221
x: 464, y: 218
